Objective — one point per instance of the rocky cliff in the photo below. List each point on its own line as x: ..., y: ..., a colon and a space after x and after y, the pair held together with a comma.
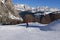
x: 50, y: 18
x: 8, y: 15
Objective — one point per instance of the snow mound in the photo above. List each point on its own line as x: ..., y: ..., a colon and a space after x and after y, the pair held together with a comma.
x: 55, y: 25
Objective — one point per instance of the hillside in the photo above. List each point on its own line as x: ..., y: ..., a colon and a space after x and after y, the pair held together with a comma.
x: 8, y: 13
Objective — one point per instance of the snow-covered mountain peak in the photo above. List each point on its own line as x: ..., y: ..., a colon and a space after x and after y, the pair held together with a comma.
x: 22, y: 7
x: 34, y: 9
x: 54, y: 9
x: 17, y: 5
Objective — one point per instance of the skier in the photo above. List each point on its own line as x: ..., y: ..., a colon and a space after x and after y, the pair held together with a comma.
x: 27, y: 23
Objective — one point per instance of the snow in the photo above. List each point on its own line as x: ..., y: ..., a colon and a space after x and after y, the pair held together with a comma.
x: 13, y: 17
x: 17, y: 32
x: 0, y: 15
x: 55, y: 25
x: 19, y: 7
x: 54, y: 9
x: 34, y: 24
x: 47, y: 13
x: 22, y: 7
x: 3, y: 1
x: 45, y: 9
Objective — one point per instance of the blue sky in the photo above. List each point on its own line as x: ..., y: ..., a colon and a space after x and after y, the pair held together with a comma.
x: 34, y: 3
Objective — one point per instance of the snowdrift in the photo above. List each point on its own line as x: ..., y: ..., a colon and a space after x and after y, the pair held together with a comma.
x: 55, y: 25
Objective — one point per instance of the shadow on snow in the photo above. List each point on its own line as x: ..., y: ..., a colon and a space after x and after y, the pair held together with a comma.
x: 44, y: 28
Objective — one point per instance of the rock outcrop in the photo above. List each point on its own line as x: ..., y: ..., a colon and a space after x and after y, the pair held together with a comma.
x: 8, y: 15
x: 50, y: 18
x: 37, y: 17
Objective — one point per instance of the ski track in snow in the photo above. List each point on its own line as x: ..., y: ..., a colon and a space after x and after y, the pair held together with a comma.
x: 15, y: 32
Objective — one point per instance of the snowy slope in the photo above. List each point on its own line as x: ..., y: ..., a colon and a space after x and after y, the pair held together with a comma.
x: 55, y: 25
x: 16, y: 32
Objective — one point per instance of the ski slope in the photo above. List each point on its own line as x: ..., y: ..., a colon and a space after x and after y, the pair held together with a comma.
x: 17, y: 32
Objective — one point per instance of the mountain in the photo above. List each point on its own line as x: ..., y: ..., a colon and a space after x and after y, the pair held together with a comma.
x: 45, y: 8
x: 8, y: 13
x: 23, y: 7
x: 44, y: 15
